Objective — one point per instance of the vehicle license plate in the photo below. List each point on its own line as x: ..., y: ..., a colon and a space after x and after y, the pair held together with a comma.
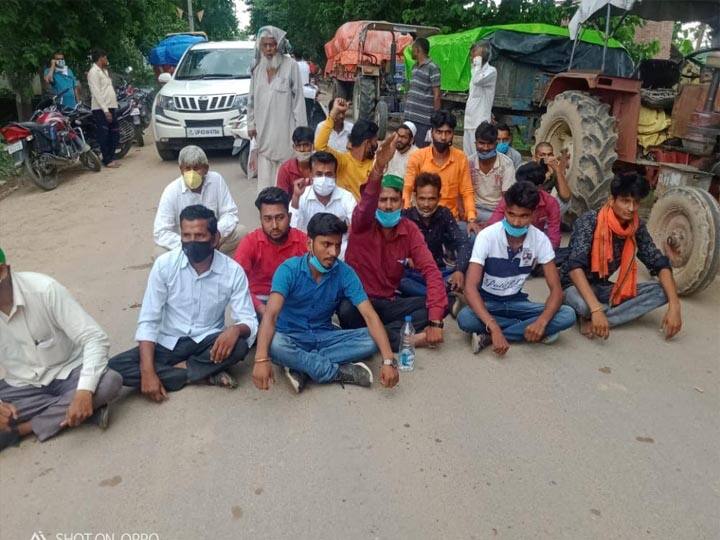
x: 14, y: 147
x: 205, y: 132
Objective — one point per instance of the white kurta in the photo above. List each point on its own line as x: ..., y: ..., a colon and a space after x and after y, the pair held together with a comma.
x: 275, y: 109
x: 478, y: 108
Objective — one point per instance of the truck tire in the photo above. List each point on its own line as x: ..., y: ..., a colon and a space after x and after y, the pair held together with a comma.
x: 342, y: 89
x: 685, y: 224
x: 579, y: 124
x: 363, y: 100
x: 381, y: 118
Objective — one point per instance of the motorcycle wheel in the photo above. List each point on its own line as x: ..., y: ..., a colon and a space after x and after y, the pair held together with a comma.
x: 139, y: 139
x: 244, y: 156
x: 90, y: 160
x: 123, y: 149
x: 45, y: 177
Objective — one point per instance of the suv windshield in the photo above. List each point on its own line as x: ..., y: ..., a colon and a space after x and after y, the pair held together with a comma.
x: 216, y: 64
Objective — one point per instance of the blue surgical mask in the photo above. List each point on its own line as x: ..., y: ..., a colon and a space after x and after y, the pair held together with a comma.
x: 388, y: 219
x: 487, y: 155
x: 513, y: 231
x: 318, y: 265
x: 503, y: 147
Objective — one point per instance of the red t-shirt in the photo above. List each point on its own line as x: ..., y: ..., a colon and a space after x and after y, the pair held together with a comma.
x: 260, y: 257
x: 287, y: 174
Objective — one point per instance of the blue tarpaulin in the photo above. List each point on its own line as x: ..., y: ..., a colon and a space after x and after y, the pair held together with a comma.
x: 170, y: 50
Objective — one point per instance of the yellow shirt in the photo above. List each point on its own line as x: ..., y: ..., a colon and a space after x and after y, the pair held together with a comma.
x: 351, y: 173
x: 455, y: 177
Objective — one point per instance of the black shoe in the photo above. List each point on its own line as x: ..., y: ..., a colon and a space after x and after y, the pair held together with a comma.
x: 357, y: 373
x: 101, y: 417
x: 297, y: 379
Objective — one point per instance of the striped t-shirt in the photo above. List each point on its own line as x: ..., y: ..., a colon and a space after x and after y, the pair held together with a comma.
x: 419, y: 101
x: 505, y: 271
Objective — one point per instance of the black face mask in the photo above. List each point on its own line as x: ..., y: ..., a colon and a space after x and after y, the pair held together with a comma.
x: 197, y: 251
x: 441, y: 146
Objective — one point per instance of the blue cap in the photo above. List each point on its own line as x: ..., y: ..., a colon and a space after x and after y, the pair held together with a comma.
x: 408, y: 318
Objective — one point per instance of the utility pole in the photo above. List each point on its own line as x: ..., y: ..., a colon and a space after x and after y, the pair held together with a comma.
x: 190, y: 15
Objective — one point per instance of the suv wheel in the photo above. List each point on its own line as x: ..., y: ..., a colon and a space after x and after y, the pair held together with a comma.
x: 165, y: 153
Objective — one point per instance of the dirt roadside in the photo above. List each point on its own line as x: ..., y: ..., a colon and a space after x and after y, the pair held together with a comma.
x: 615, y: 439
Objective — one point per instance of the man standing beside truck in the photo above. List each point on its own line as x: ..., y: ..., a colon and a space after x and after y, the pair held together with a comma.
x: 423, y: 97
x: 478, y: 108
x: 276, y: 104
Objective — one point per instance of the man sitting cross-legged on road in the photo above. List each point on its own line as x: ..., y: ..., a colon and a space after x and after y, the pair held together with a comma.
x: 320, y: 193
x: 197, y: 185
x: 181, y: 335
x: 442, y: 234
x: 53, y: 359
x: 297, y: 331
x: 609, y: 241
x: 502, y: 258
x: 264, y: 249
x: 381, y: 244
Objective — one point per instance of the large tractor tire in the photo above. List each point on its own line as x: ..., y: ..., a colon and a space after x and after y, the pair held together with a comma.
x: 685, y: 224
x: 581, y: 126
x: 363, y: 100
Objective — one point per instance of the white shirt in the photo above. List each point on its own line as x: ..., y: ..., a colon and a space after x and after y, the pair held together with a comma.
x: 338, y: 141
x: 101, y: 89
x: 48, y: 334
x: 398, y: 163
x: 504, y: 276
x: 214, y: 195
x: 304, y: 68
x: 179, y: 303
x: 478, y: 108
x: 489, y: 188
x: 341, y: 204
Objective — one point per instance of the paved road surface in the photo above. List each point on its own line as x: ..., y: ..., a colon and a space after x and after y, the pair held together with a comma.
x: 577, y: 440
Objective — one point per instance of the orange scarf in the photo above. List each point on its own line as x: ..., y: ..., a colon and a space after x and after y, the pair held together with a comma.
x: 602, y: 253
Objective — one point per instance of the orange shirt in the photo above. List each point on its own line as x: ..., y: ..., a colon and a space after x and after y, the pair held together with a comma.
x: 455, y: 176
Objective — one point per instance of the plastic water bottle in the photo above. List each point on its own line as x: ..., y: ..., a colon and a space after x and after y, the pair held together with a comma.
x: 407, y: 345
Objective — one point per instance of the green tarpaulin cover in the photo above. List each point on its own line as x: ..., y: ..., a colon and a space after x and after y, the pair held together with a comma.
x: 451, y: 51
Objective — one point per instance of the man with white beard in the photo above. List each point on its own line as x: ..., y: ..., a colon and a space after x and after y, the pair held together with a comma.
x: 276, y: 104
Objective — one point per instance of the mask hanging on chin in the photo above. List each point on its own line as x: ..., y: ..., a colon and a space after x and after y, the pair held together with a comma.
x: 427, y: 214
x: 192, y: 179
x: 323, y: 185
x: 315, y: 262
x: 515, y: 232
x: 487, y: 155
x: 303, y: 156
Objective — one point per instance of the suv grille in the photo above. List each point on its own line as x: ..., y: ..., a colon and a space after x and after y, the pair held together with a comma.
x: 204, y: 103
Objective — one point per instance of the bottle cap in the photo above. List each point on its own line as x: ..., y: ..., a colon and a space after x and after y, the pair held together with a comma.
x: 408, y: 318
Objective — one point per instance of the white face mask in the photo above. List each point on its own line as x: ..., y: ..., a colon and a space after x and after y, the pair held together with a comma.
x: 323, y: 185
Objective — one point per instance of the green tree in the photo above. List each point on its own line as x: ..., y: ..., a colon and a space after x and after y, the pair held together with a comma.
x: 32, y: 31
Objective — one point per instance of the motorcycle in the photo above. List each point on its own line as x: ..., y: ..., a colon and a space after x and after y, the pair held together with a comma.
x: 243, y: 146
x: 140, y: 102
x: 48, y: 144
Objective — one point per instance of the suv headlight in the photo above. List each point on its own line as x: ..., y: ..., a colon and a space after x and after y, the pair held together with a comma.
x: 166, y: 102
x: 240, y: 103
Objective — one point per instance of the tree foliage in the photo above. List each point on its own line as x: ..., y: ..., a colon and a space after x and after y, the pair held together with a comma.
x: 126, y: 29
x: 311, y: 23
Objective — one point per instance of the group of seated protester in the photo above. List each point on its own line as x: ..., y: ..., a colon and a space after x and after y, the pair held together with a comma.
x: 342, y: 255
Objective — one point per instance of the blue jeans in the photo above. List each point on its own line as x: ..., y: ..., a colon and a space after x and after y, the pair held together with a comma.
x: 650, y: 296
x: 514, y: 316
x: 413, y: 283
x: 320, y: 352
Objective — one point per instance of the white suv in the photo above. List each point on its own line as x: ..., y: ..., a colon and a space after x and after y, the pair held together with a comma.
x: 206, y: 94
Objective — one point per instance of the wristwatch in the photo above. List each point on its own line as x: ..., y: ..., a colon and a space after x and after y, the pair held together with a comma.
x: 390, y: 362
x: 437, y: 324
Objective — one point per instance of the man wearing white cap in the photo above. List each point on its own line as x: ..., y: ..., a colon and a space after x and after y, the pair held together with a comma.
x: 405, y: 148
